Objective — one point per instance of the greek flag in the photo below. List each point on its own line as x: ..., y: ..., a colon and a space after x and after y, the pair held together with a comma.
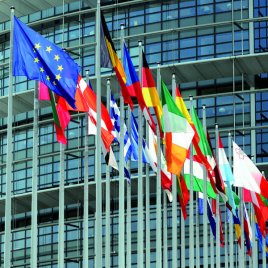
x: 115, y: 117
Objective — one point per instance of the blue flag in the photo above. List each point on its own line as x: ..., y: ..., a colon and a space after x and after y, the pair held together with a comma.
x: 135, y: 140
x: 38, y: 59
x: 115, y: 117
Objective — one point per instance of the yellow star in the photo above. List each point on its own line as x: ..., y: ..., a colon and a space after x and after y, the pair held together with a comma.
x: 58, y: 77
x: 42, y: 69
x: 48, y: 49
x: 48, y: 78
x: 36, y: 60
x: 54, y: 83
x: 60, y: 68
x: 37, y: 46
x: 57, y: 57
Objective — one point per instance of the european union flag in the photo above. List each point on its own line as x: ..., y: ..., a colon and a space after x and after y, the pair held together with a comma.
x: 39, y: 59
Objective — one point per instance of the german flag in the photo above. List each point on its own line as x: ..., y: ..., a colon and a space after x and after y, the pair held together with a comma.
x: 108, y: 49
x: 149, y: 91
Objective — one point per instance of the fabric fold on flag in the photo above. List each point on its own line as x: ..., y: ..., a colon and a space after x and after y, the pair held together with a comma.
x: 39, y: 59
x: 246, y: 174
x: 178, y: 133
x: 115, y: 117
x: 227, y: 174
x: 114, y: 59
x: 134, y: 88
x: 149, y: 92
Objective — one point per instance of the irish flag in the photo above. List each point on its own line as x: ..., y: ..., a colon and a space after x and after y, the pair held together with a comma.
x: 246, y: 174
x: 178, y: 133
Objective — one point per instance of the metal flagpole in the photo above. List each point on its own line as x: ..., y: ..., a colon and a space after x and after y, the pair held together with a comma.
x: 34, y: 230
x: 255, y: 253
x: 121, y: 242
x: 140, y: 181
x: 61, y: 210
x: 242, y: 250
x: 225, y: 234
x: 158, y: 188
x: 191, y: 213
x: 98, y: 177
x: 182, y: 244
x: 140, y: 190
x: 108, y: 197
x: 8, y: 216
x: 85, y: 218
x: 231, y: 223
x: 218, y: 260
x: 263, y: 244
x: 205, y: 209
x: 147, y: 186
x: 174, y: 202
x: 212, y: 250
x: 128, y: 221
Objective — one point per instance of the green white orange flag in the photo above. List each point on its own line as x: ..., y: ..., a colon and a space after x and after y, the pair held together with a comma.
x: 181, y: 104
x: 178, y: 133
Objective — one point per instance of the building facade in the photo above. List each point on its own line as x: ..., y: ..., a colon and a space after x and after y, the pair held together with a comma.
x: 217, y: 50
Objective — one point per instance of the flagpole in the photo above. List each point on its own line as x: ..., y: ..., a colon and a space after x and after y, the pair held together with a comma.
x: 218, y: 260
x: 254, y: 244
x: 231, y: 223
x: 128, y: 227
x: 205, y: 209
x: 174, y: 201
x: 61, y: 210
x: 121, y: 242
x: 34, y: 230
x: 140, y: 187
x: 212, y: 250
x: 8, y: 207
x: 158, y: 187
x: 182, y: 247
x: 108, y: 195
x: 242, y: 249
x: 98, y: 177
x: 191, y: 216
x: 147, y: 181
x: 85, y: 217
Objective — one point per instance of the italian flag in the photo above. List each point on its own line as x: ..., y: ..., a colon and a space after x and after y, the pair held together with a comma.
x: 178, y: 133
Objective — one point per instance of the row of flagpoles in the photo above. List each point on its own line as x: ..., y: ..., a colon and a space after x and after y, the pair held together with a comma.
x: 187, y: 163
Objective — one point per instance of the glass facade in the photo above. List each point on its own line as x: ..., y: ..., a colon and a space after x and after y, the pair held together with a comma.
x: 172, y: 32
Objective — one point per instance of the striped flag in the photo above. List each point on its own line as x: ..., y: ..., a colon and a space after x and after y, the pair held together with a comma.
x: 134, y: 87
x: 115, y: 117
x: 110, y: 50
x: 178, y: 133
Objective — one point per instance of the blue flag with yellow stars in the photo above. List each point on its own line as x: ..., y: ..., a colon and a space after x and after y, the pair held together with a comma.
x: 38, y: 59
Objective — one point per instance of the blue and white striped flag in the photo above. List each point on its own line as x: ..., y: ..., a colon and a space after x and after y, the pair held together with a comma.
x: 115, y: 117
x: 135, y: 140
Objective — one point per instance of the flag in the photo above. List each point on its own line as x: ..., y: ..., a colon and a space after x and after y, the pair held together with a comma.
x: 259, y: 236
x: 178, y: 133
x: 198, y: 181
x: 246, y: 174
x: 115, y: 61
x: 151, y: 151
x: 247, y: 231
x: 183, y: 195
x: 226, y: 173
x: 134, y: 87
x: 43, y: 93
x: 261, y: 211
x: 149, y: 91
x: 38, y: 59
x: 134, y: 137
x: 205, y: 149
x: 216, y: 176
x: 61, y: 117
x: 200, y: 203
x: 181, y: 104
x: 237, y: 226
x: 211, y: 219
